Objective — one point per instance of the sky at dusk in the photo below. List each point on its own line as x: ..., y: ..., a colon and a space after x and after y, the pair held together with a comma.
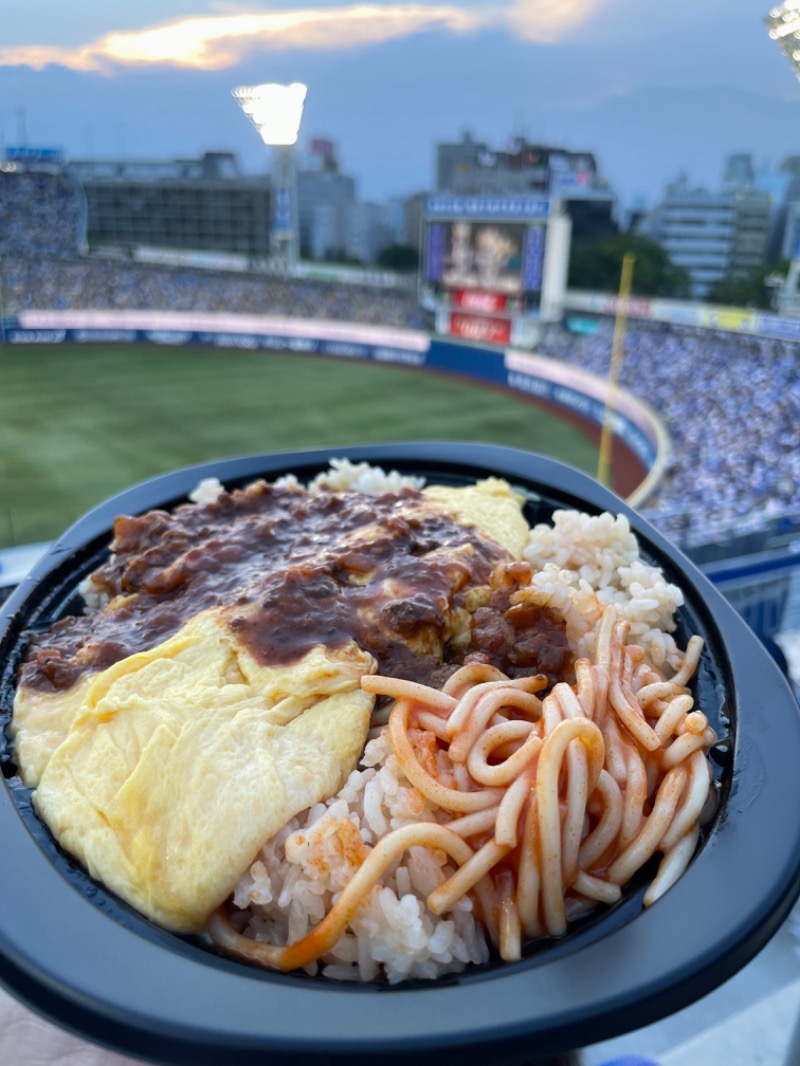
x: 654, y: 87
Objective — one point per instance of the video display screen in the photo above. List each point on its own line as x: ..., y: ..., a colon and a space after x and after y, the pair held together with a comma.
x: 490, y: 256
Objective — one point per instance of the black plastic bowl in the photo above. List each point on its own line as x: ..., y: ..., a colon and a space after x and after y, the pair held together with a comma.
x: 86, y: 961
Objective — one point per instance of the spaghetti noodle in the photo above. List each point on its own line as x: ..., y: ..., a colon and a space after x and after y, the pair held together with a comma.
x: 544, y: 804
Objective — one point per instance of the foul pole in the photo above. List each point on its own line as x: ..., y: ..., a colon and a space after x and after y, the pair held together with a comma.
x: 617, y: 347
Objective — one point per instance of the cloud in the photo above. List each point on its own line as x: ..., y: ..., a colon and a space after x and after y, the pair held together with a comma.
x: 550, y: 21
x: 215, y: 42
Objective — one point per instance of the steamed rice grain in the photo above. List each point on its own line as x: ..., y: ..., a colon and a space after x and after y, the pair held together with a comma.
x: 301, y: 872
x: 583, y: 563
x: 344, y: 476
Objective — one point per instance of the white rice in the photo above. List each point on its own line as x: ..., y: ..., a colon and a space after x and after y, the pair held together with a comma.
x: 361, y: 477
x: 341, y: 476
x: 94, y: 597
x: 207, y: 491
x: 299, y: 874
x: 583, y: 562
x: 344, y: 476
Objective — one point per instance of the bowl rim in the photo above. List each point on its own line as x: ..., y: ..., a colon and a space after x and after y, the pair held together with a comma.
x: 141, y: 991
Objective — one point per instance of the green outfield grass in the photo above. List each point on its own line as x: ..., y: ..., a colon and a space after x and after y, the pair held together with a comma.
x: 78, y: 424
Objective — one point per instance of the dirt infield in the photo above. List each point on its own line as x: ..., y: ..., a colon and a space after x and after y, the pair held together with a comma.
x: 627, y: 469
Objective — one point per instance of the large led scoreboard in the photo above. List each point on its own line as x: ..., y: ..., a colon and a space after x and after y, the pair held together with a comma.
x: 494, y: 268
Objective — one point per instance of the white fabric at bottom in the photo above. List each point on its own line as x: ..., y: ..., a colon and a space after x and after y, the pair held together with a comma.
x: 28, y: 1040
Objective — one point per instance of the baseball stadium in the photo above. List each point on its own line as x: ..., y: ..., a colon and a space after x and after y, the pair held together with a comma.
x: 120, y: 367
x: 122, y: 363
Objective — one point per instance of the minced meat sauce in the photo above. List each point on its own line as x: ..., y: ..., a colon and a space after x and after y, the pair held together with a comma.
x: 297, y: 569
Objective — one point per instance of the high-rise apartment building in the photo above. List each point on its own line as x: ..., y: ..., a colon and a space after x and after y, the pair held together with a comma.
x: 324, y: 197
x: 711, y: 234
x: 739, y: 172
x: 370, y: 229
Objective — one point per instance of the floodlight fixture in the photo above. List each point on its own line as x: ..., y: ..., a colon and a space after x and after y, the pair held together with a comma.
x: 783, y: 25
x: 274, y: 110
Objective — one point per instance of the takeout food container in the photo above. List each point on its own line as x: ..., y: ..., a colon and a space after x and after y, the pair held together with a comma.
x: 80, y: 957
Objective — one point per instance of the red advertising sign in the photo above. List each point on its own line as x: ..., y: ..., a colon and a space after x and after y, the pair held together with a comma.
x: 480, y: 328
x: 477, y: 300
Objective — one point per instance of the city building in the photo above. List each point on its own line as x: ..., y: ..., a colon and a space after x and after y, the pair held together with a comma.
x: 371, y: 228
x: 473, y: 168
x: 334, y: 224
x: 194, y: 204
x: 207, y: 205
x: 414, y: 210
x: 752, y: 220
x: 323, y: 200
x: 711, y: 234
x: 739, y: 172
x: 784, y: 183
x: 790, y: 244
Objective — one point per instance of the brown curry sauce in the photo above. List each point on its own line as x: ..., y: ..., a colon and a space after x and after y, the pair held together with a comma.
x: 296, y: 569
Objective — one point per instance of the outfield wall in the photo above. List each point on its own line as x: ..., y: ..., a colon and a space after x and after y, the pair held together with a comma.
x: 642, y: 441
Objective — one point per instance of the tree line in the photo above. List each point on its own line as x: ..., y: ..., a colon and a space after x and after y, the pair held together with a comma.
x: 596, y: 265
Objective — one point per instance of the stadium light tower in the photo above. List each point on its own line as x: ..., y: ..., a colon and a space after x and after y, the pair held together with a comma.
x: 276, y: 112
x: 783, y: 24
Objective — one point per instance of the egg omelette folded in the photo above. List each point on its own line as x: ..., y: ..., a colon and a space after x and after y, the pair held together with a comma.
x: 166, y: 772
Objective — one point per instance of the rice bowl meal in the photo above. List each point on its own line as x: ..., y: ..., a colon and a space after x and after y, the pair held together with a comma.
x: 367, y: 727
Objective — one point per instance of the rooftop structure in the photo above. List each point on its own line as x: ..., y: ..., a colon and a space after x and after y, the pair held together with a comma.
x: 211, y: 166
x: 473, y: 168
x: 193, y: 204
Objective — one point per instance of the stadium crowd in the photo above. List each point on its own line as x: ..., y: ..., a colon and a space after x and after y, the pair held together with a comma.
x: 35, y: 283
x: 40, y: 212
x: 731, y: 402
x: 43, y: 229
